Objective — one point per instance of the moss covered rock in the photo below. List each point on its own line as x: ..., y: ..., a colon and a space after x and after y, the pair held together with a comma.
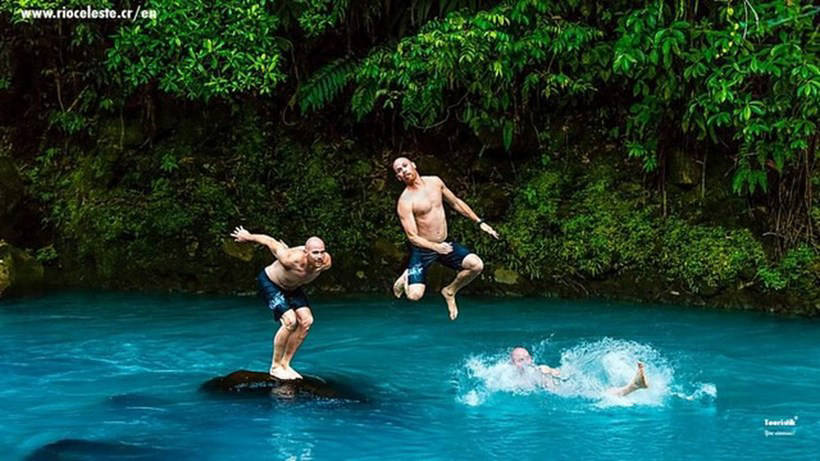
x: 19, y: 271
x: 506, y: 276
x: 238, y: 250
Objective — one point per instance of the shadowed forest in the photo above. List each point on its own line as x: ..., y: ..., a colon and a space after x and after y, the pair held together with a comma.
x: 657, y: 151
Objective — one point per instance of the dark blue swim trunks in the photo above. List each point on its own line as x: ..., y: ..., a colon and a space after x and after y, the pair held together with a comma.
x: 422, y: 258
x: 277, y: 298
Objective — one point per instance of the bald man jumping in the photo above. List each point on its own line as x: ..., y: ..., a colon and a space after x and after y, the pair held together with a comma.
x: 421, y: 211
x: 280, y: 286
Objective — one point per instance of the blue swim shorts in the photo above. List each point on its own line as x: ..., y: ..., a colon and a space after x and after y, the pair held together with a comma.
x: 277, y: 298
x: 422, y: 258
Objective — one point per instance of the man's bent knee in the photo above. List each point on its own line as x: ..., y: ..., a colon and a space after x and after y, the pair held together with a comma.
x: 305, y: 323
x: 415, y: 292
x: 288, y: 320
x: 473, y: 263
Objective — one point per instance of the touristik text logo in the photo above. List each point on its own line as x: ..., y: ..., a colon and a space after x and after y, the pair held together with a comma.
x: 780, y: 427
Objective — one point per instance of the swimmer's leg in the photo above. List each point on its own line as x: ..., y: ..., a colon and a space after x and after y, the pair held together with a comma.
x: 638, y: 382
x: 400, y: 285
x: 471, y: 267
x: 304, y: 319
x: 288, y: 321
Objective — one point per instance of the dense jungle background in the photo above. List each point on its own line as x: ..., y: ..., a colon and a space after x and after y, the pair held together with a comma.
x: 656, y: 150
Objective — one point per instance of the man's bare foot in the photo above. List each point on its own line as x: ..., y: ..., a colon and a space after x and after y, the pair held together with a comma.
x: 293, y: 374
x: 398, y: 285
x: 279, y: 372
x: 639, y: 381
x: 450, y: 297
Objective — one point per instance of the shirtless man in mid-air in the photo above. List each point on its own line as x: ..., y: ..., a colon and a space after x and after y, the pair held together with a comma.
x: 280, y: 286
x: 522, y: 359
x: 421, y: 211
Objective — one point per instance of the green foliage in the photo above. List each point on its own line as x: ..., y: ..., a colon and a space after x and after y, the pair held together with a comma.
x: 201, y: 49
x: 754, y: 81
x: 320, y: 183
x: 325, y: 84
x: 815, y: 206
x: 600, y: 230
x: 711, y: 74
x: 317, y: 16
x: 799, y: 268
x: 5, y: 67
x: 533, y: 223
x: 68, y: 122
x: 159, y: 213
x: 707, y: 257
x: 608, y: 231
x: 480, y: 60
x: 168, y: 211
x: 46, y: 254
x: 313, y: 197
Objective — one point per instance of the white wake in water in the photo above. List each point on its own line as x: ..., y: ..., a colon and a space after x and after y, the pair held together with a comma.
x: 588, y: 370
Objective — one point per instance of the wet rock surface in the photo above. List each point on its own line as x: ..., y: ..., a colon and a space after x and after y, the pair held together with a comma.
x: 78, y: 449
x: 255, y: 383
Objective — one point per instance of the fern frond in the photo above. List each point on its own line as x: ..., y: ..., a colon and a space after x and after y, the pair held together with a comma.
x: 326, y: 83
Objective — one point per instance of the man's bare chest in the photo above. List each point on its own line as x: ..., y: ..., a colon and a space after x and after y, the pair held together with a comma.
x: 425, y: 201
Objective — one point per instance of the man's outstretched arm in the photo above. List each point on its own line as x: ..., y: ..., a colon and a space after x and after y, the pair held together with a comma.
x: 462, y: 207
x: 277, y: 247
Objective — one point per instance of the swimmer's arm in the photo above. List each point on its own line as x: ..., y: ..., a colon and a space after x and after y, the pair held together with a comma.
x: 408, y: 222
x: 549, y: 371
x: 462, y: 207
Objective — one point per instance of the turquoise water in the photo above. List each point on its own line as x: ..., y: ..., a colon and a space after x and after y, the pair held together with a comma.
x: 124, y: 370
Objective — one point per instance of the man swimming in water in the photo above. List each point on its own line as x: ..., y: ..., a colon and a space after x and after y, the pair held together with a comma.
x: 421, y: 212
x: 280, y: 285
x: 521, y: 358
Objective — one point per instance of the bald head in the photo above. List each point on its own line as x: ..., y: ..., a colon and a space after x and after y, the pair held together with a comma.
x: 520, y: 357
x: 315, y: 249
x: 401, y: 160
x: 405, y: 170
x: 314, y: 242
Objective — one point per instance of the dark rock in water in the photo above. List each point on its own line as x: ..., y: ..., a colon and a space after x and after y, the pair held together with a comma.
x: 76, y: 449
x: 246, y: 382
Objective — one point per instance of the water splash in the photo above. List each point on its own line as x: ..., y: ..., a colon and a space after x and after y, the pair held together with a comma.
x: 705, y: 392
x: 589, y: 371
